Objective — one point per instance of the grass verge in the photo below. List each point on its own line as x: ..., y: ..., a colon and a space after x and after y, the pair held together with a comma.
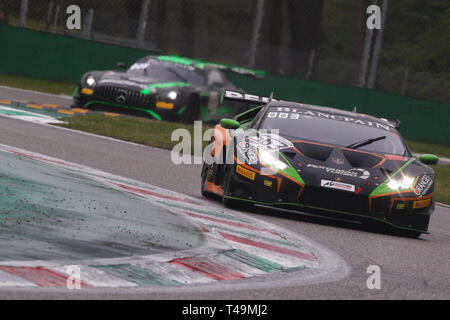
x: 441, y: 150
x: 49, y: 86
x: 139, y: 130
x: 158, y: 134
x: 442, y: 187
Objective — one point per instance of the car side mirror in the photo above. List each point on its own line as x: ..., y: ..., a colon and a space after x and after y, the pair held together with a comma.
x: 429, y: 159
x: 121, y: 65
x: 229, y: 123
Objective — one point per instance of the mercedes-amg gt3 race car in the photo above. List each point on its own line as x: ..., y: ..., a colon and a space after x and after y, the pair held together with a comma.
x: 163, y: 87
x: 319, y: 160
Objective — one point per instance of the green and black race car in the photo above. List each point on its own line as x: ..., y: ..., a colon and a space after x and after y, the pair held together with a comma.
x: 319, y: 160
x: 162, y: 87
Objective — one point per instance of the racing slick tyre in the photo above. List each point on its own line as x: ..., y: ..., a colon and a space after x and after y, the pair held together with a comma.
x: 192, y: 110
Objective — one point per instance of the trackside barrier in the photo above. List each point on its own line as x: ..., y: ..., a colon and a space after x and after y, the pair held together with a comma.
x: 55, y: 57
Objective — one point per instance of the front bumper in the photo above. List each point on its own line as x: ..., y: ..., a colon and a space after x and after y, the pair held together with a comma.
x: 283, y: 193
x: 135, y: 102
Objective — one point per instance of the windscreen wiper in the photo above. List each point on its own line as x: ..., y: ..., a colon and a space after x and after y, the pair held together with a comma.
x: 365, y: 142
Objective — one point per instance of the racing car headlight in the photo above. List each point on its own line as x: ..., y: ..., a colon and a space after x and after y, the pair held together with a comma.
x: 404, y: 182
x: 90, y: 81
x: 172, y: 95
x: 269, y: 159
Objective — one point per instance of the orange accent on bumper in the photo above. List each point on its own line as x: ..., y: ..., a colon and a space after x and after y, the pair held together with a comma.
x: 87, y: 91
x: 211, y: 187
x: 164, y: 105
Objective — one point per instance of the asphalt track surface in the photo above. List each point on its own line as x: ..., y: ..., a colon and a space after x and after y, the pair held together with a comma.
x: 410, y: 268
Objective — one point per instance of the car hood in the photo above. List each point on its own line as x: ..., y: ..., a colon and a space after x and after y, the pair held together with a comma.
x: 138, y: 82
x: 321, y: 165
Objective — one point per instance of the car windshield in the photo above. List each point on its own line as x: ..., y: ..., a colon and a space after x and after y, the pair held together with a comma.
x: 168, y: 72
x: 334, y: 129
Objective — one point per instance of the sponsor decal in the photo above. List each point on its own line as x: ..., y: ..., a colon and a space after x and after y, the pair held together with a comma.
x: 337, y: 160
x: 423, y: 185
x: 244, y: 96
x: 400, y: 206
x: 245, y: 173
x: 248, y: 153
x: 297, y: 113
x: 337, y: 185
x: 358, y: 190
x: 354, y: 173
x: 269, y: 142
x: 268, y: 183
x: 421, y: 203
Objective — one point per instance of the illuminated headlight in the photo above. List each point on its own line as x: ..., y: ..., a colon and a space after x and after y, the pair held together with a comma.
x: 172, y: 95
x: 90, y: 81
x: 401, y: 183
x: 269, y: 159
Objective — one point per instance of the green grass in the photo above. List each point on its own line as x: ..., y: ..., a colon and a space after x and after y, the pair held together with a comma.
x: 139, y: 130
x: 442, y: 187
x: 441, y: 150
x: 49, y: 86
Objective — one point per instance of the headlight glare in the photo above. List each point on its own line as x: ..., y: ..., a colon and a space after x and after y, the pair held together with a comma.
x: 172, y: 95
x: 90, y: 81
x: 269, y: 159
x: 404, y: 182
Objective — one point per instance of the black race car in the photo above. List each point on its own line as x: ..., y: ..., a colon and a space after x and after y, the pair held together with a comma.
x: 319, y: 160
x: 163, y: 87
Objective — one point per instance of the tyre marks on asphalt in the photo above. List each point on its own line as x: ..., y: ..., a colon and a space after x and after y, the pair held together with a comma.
x: 237, y: 247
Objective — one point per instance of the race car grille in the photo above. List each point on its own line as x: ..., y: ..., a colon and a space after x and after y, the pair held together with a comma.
x: 334, y: 200
x: 124, y: 96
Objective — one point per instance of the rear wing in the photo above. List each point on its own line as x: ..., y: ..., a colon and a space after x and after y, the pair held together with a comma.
x: 244, y: 97
x: 258, y: 74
